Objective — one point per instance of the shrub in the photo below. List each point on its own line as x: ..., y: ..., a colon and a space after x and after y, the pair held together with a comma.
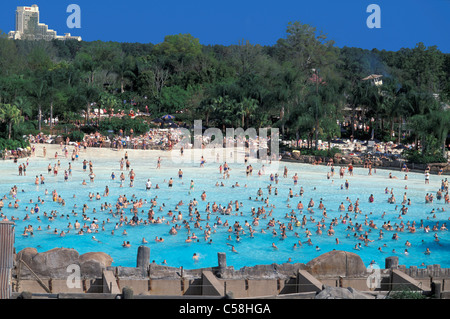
x: 12, y: 144
x: 75, y: 136
x: 416, y: 156
x: 322, y: 153
x: 125, y: 124
x: 26, y: 128
x: 406, y: 293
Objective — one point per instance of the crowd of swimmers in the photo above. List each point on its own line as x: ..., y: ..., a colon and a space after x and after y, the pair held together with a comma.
x: 202, y: 222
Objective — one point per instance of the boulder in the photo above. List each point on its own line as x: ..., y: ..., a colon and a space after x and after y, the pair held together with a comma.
x: 92, y: 264
x: 54, y: 263
x: 49, y: 264
x: 101, y: 257
x: 357, y: 161
x: 309, y: 159
x: 26, y: 254
x: 337, y: 263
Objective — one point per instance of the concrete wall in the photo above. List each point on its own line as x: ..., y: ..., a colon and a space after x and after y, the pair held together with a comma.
x: 29, y: 285
x: 241, y: 288
x: 256, y: 287
x: 163, y: 287
x: 60, y: 286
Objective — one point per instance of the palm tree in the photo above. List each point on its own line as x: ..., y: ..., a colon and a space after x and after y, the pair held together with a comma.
x: 402, y: 106
x: 38, y: 91
x: 320, y: 102
x: 124, y: 67
x: 223, y: 107
x: 86, y: 63
x: 440, y: 127
x: 70, y: 117
x: 227, y: 111
x: 303, y: 122
x: 209, y: 106
x: 286, y: 95
x: 245, y: 108
x: 420, y: 106
x: 392, y: 104
x: 87, y: 94
x: 361, y: 95
x: 23, y: 105
x: 11, y: 115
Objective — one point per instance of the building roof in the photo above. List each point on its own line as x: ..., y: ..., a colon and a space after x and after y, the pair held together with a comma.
x: 372, y: 77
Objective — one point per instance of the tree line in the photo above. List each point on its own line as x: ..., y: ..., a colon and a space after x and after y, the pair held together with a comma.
x: 304, y: 85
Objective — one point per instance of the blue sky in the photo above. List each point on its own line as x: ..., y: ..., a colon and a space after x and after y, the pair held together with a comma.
x: 403, y: 23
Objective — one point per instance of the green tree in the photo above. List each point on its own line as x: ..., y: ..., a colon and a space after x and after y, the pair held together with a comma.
x: 441, y: 125
x: 12, y: 86
x: 38, y: 92
x: 9, y: 60
x: 208, y: 106
x: 23, y: 104
x: 363, y: 97
x: 245, y: 109
x: 425, y: 109
x: 321, y: 102
x: 424, y: 67
x: 109, y: 101
x: 394, y: 105
x: 124, y: 67
x: 307, y: 48
x: 179, y: 45
x: 86, y: 64
x: 11, y: 115
x: 173, y: 99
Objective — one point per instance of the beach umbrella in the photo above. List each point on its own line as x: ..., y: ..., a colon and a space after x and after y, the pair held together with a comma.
x: 168, y: 117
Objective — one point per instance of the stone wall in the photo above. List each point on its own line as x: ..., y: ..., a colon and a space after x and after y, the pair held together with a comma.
x: 345, y: 160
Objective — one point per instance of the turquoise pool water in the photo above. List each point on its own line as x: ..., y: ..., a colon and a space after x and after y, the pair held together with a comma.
x: 251, y: 250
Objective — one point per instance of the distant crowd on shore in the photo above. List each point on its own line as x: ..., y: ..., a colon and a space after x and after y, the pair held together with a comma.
x: 161, y: 139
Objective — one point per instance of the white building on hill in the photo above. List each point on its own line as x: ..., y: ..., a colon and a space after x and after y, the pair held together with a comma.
x: 28, y: 27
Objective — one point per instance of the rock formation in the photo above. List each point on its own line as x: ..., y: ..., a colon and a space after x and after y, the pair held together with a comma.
x: 337, y: 263
x: 54, y: 263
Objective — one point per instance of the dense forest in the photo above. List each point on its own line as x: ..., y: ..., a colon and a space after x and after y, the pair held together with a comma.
x: 304, y: 85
